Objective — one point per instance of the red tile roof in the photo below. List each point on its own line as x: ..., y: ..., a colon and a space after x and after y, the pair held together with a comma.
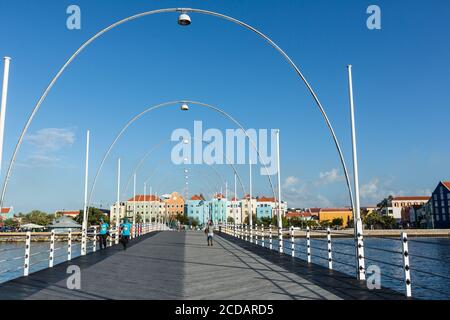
x: 264, y: 199
x: 446, y: 184
x: 298, y: 214
x: 425, y: 198
x: 196, y: 197
x: 334, y: 209
x: 148, y: 197
x: 70, y: 213
x: 6, y: 210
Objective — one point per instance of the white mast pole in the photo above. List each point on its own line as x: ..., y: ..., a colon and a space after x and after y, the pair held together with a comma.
x: 356, y: 210
x: 85, y: 208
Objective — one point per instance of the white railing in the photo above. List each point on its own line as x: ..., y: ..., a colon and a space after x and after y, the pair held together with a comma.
x: 69, y: 241
x: 294, y: 248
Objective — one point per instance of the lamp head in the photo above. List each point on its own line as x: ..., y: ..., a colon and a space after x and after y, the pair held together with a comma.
x: 184, y: 107
x: 184, y: 19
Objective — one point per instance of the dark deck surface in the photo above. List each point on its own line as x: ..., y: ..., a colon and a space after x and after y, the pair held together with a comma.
x: 179, y: 265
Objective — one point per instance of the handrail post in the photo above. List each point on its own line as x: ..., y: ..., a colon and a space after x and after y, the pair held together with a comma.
x: 330, y: 258
x: 292, y: 243
x: 406, y: 265
x: 308, y: 244
x: 262, y: 236
x: 250, y: 226
x: 83, y: 240
x: 52, y: 249
x: 270, y: 237
x: 110, y: 237
x: 256, y: 234
x: 69, y: 245
x: 26, y: 263
x: 116, y: 239
x: 280, y: 240
x: 94, y: 242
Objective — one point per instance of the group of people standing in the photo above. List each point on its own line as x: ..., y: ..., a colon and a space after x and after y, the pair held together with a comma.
x: 124, y: 233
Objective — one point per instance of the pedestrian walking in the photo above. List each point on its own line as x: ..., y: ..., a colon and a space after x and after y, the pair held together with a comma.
x: 103, y: 234
x: 209, y: 231
x: 125, y: 228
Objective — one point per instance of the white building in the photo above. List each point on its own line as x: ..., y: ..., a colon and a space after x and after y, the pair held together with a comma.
x: 234, y: 210
x: 114, y: 210
x: 148, y: 207
x: 395, y: 206
x: 246, y: 204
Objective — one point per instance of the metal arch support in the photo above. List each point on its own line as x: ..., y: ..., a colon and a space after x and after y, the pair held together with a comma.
x: 153, y: 148
x: 112, y: 26
x: 166, y: 104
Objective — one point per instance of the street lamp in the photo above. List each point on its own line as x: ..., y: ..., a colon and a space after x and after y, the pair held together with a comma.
x: 184, y: 107
x: 184, y: 19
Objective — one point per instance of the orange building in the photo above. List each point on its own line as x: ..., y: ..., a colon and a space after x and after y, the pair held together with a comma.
x: 174, y: 204
x: 332, y: 213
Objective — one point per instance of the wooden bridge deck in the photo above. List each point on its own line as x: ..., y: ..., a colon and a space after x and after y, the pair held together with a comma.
x: 179, y: 265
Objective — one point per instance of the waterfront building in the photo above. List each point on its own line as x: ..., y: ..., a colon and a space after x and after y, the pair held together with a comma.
x: 218, y: 209
x: 302, y: 215
x: 329, y: 214
x: 197, y: 208
x: 147, y: 207
x: 174, y: 204
x: 234, y: 209
x: 314, y: 212
x: 441, y: 206
x: 266, y: 207
x: 117, y: 209
x: 396, y: 204
x: 68, y: 213
x: 7, y: 213
x: 246, y: 203
x: 64, y: 224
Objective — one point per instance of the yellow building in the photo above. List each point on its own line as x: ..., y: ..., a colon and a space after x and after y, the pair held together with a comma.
x: 332, y: 213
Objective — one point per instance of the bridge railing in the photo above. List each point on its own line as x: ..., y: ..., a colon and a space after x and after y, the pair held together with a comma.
x: 42, y: 250
x: 336, y: 249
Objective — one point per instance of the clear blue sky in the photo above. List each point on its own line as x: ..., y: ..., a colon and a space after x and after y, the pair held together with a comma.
x: 401, y: 81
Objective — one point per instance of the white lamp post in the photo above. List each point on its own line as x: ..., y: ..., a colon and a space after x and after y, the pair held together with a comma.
x: 3, y: 104
x: 85, y: 208
x: 356, y: 210
x: 118, y: 203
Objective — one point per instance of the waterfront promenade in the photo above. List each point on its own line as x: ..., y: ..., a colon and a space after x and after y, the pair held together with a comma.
x: 178, y: 265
